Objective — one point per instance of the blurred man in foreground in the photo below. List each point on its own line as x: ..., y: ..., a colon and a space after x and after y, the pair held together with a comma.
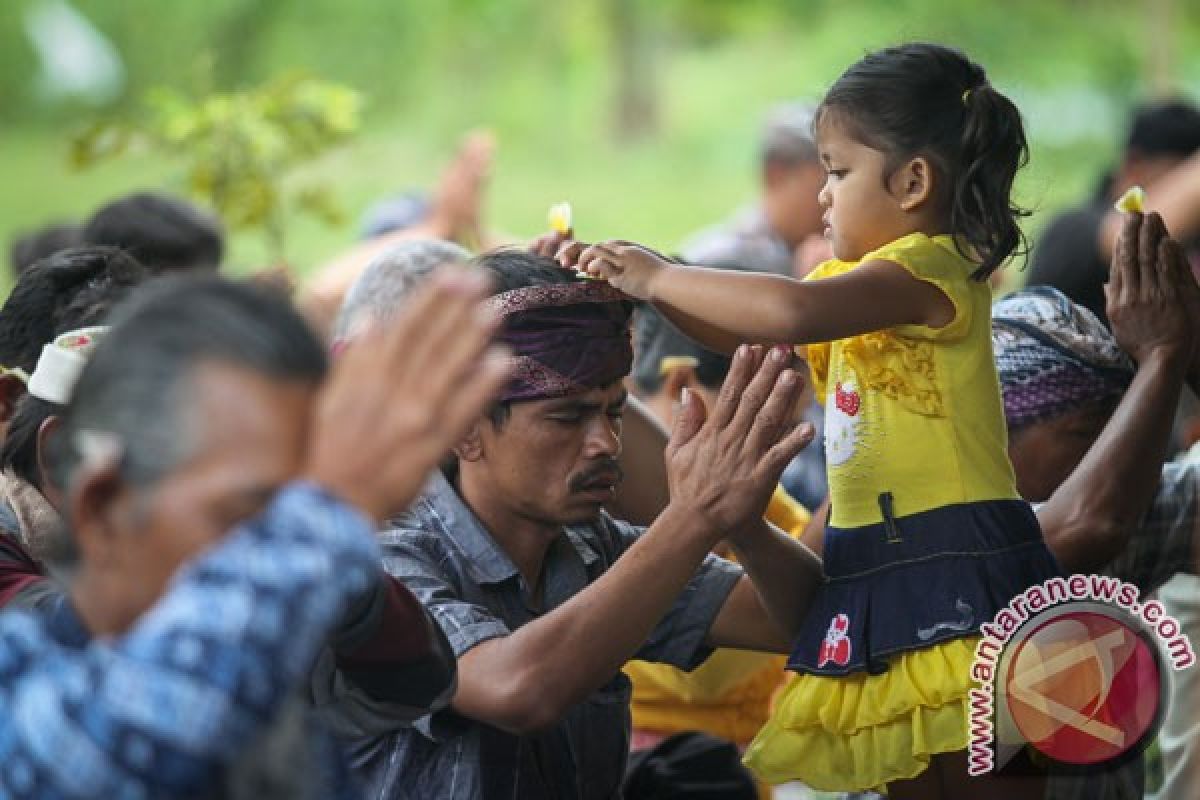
x: 174, y: 665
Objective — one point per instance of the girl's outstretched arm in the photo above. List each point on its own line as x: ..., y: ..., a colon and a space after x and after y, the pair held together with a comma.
x: 718, y: 306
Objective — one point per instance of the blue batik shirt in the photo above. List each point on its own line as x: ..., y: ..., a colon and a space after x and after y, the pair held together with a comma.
x: 201, y: 697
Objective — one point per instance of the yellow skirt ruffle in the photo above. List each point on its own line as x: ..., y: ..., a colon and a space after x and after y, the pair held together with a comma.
x: 860, y: 732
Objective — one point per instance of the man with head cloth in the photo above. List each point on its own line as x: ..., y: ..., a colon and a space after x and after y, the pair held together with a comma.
x: 1065, y: 379
x: 542, y: 594
x: 377, y: 295
x: 1066, y: 383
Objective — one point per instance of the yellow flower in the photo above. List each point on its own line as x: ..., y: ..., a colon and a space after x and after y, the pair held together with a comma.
x: 1134, y: 199
x: 671, y: 363
x: 559, y: 218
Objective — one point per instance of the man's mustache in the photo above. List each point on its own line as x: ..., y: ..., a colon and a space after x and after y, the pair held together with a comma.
x: 606, y: 472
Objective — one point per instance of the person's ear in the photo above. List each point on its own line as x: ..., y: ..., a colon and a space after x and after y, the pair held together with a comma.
x: 95, y: 501
x: 470, y: 447
x: 49, y: 427
x: 12, y: 389
x: 912, y: 183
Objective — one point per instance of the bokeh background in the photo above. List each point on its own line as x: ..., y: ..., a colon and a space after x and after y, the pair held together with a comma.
x: 645, y: 115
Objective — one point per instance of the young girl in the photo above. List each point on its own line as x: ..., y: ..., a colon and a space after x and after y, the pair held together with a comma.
x: 927, y: 537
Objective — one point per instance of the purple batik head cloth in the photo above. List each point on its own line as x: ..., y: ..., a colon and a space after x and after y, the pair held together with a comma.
x: 1053, y: 356
x: 565, y: 338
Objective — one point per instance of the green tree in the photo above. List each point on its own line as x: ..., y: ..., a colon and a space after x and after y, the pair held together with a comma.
x: 239, y: 148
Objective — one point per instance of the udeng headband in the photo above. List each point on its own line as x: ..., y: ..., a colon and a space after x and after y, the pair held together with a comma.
x: 529, y: 298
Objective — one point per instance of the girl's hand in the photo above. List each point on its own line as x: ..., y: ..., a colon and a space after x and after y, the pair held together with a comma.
x: 548, y: 244
x: 564, y: 248
x: 627, y: 266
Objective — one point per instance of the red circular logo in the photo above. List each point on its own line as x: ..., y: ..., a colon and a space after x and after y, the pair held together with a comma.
x: 1084, y: 687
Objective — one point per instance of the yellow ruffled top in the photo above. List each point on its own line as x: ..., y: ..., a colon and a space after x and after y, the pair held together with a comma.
x: 729, y: 694
x: 914, y: 410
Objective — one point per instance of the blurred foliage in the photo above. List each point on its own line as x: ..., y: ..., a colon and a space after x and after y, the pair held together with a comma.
x: 541, y: 76
x: 401, y: 50
x: 239, y: 148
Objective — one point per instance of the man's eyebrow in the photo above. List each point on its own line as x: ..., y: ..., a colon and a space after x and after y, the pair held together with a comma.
x: 570, y: 404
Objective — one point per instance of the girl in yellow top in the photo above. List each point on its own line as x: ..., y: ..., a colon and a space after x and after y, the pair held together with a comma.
x: 927, y: 536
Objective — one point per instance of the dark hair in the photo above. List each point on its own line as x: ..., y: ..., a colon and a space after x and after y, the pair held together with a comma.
x: 511, y: 268
x: 93, y: 280
x: 928, y: 100
x: 1168, y: 128
x: 134, y: 385
x: 66, y: 290
x: 29, y: 248
x: 655, y: 338
x: 163, y: 232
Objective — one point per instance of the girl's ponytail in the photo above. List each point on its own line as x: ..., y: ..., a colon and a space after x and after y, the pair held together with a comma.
x: 992, y: 149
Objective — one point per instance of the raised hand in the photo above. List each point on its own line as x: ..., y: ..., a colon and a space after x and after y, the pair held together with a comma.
x: 459, y: 198
x: 1153, y: 301
x: 400, y: 398
x: 723, y: 465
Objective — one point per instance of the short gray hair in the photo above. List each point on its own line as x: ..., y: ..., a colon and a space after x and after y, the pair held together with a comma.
x: 136, y: 384
x: 387, y: 280
x: 787, y: 136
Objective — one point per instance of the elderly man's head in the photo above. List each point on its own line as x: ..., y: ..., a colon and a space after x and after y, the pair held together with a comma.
x: 380, y: 291
x: 191, y: 412
x: 548, y: 450
x: 1062, y: 375
x: 792, y: 173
